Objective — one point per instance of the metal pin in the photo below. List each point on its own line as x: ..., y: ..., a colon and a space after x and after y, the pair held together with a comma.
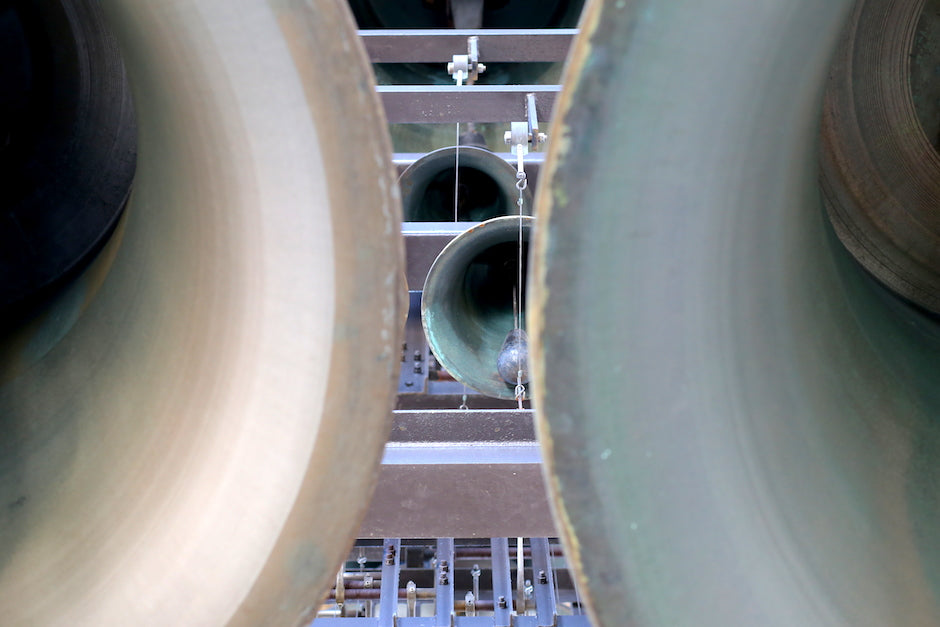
x: 411, y: 597
x: 367, y: 581
x: 475, y: 573
x: 470, y: 602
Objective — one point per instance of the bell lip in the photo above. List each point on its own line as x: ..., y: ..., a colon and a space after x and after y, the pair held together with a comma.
x: 489, y: 232
x: 471, y: 157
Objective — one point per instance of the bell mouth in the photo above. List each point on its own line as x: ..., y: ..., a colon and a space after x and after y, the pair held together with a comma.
x: 486, y: 187
x: 470, y: 298
x: 68, y: 147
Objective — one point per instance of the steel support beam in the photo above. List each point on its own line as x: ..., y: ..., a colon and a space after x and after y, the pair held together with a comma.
x: 444, y: 587
x: 543, y: 579
x: 439, y: 46
x: 391, y: 565
x: 448, y: 104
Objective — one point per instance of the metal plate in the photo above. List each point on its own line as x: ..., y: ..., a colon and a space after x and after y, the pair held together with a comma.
x: 415, y: 45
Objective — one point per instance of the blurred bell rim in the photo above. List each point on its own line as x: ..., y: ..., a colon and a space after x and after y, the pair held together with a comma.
x: 486, y: 186
x: 879, y: 173
x: 173, y: 430
x: 747, y: 433
x: 467, y: 302
x: 67, y: 145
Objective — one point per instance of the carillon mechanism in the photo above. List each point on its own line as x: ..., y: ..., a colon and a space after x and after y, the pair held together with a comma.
x: 495, y: 582
x: 241, y: 385
x: 462, y: 460
x: 474, y: 303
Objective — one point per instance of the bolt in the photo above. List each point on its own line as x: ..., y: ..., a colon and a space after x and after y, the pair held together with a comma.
x: 418, y: 369
x: 543, y: 578
x: 502, y: 603
x: 443, y: 580
x: 481, y: 68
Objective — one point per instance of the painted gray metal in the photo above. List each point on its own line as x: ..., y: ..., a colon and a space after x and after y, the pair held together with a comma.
x: 448, y: 104
x: 439, y: 46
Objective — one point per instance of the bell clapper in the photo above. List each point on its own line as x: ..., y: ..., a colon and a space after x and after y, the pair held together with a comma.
x: 512, y: 363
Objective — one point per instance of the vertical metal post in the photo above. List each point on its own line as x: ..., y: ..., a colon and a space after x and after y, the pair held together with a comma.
x: 502, y: 583
x: 388, y: 601
x: 444, y: 588
x: 520, y: 579
x: 544, y: 582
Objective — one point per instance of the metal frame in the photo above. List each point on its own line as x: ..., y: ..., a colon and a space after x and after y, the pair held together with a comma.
x: 445, y: 571
x: 460, y: 473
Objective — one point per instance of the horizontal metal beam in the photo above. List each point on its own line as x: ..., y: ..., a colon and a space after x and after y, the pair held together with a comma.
x: 466, y: 500
x: 440, y: 401
x: 464, y: 473
x: 495, y: 45
x: 463, y: 426
x: 447, y: 104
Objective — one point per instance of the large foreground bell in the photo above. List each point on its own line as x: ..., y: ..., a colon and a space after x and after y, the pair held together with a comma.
x: 180, y: 456
x: 741, y: 426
